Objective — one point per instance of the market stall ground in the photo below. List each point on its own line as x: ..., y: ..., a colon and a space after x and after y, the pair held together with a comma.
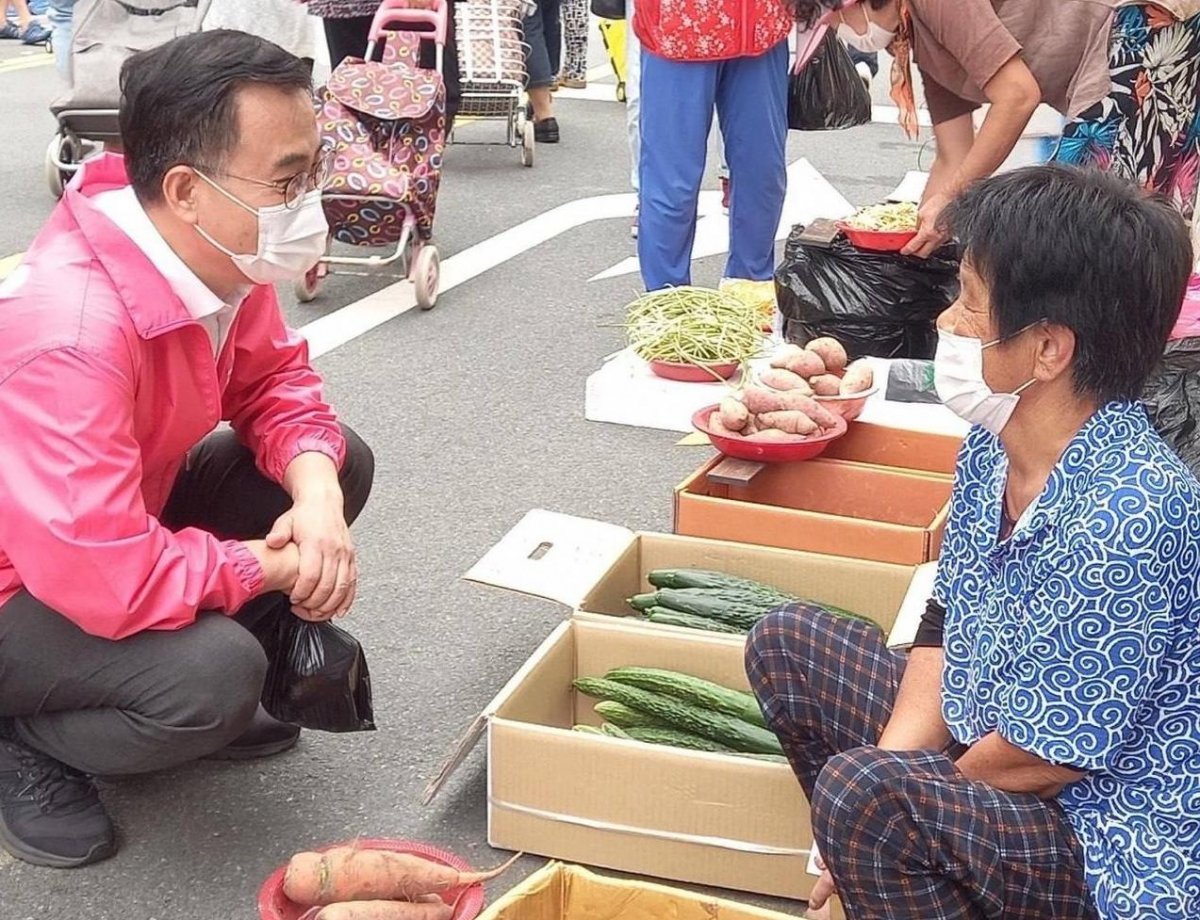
x: 475, y: 412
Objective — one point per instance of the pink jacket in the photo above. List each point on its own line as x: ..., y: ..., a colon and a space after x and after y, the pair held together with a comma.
x: 106, y: 382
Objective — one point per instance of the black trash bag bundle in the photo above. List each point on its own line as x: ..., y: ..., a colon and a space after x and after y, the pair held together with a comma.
x: 317, y: 675
x: 880, y: 304
x: 608, y: 9
x: 828, y: 94
x: 1172, y: 398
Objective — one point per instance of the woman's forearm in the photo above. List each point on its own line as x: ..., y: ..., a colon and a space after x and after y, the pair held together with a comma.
x: 1003, y: 766
x: 916, y: 723
x: 1014, y: 96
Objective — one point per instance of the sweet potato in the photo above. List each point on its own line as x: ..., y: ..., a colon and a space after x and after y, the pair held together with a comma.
x: 807, y: 364
x: 771, y: 434
x: 733, y: 414
x: 720, y: 429
x: 826, y: 385
x: 859, y: 377
x: 784, y: 354
x: 387, y: 910
x: 794, y: 422
x: 761, y: 400
x: 831, y: 352
x: 779, y: 379
x: 354, y: 874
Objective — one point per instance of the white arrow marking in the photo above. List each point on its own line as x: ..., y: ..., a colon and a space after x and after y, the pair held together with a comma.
x: 809, y: 196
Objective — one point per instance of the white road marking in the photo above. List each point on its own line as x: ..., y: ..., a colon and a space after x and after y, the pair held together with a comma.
x: 809, y: 195
x: 26, y: 62
x: 890, y: 115
x: 9, y: 263
x: 353, y: 320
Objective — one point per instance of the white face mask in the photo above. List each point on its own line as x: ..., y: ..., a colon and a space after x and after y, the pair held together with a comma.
x: 875, y: 39
x: 958, y: 376
x: 290, y: 240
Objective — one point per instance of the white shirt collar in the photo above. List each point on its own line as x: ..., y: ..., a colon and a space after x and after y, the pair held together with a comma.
x: 122, y: 207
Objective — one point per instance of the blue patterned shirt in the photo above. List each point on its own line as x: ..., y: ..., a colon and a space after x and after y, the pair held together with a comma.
x: 1077, y: 640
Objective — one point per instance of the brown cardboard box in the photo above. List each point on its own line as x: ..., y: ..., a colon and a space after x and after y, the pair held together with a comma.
x: 918, y: 451
x: 709, y: 819
x: 565, y: 892
x: 838, y: 507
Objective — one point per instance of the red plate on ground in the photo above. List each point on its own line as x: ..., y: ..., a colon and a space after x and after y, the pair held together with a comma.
x: 751, y: 448
x: 877, y: 240
x: 693, y: 373
x: 273, y: 904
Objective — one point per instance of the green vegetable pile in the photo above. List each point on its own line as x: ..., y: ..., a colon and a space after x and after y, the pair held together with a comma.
x: 717, y: 602
x: 666, y: 707
x: 690, y: 325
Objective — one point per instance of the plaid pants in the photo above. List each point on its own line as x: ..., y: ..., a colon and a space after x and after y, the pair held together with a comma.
x: 904, y: 834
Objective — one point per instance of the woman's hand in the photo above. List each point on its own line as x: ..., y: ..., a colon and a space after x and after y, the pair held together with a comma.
x: 929, y: 237
x: 823, y: 889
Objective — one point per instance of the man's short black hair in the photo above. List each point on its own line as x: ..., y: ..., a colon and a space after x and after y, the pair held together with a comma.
x: 1085, y: 250
x: 178, y: 101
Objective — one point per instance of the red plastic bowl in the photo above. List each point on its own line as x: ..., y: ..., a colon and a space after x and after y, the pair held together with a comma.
x: 273, y: 904
x: 877, y: 240
x: 692, y: 373
x: 750, y: 448
x: 849, y: 406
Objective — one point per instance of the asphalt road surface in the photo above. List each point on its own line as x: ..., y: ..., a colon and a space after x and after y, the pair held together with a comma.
x: 475, y: 413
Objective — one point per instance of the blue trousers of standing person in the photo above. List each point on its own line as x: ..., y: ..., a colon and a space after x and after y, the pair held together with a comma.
x: 677, y: 98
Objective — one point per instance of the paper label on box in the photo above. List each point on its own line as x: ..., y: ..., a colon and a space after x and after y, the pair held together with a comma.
x: 555, y: 556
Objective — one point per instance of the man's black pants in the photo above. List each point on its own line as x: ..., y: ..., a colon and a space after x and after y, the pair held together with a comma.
x: 159, y: 698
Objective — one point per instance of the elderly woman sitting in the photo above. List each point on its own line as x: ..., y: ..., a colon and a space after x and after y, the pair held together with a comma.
x: 1037, y: 754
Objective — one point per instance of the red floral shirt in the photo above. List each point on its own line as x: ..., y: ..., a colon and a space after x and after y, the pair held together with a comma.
x: 710, y: 30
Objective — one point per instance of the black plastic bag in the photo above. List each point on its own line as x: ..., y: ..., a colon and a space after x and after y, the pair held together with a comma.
x: 608, y: 9
x: 1172, y: 398
x: 317, y: 676
x: 881, y: 304
x: 911, y: 381
x: 828, y: 94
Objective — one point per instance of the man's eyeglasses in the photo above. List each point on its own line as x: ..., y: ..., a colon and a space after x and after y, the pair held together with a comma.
x: 294, y: 188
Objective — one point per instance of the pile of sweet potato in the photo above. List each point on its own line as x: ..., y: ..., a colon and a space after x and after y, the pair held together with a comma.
x: 352, y: 883
x: 784, y: 404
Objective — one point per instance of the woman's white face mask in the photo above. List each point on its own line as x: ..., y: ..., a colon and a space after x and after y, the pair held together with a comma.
x: 875, y: 39
x: 958, y: 377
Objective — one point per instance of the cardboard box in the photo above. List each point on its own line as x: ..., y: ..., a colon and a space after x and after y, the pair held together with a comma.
x: 918, y: 451
x: 836, y: 507
x: 594, y: 567
x: 709, y: 819
x: 564, y: 892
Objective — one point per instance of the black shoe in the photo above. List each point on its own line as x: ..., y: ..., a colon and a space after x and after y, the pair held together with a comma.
x: 265, y: 736
x: 50, y: 814
x: 546, y: 131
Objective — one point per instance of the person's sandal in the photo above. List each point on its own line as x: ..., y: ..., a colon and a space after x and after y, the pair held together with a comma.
x: 572, y: 83
x: 10, y: 30
x: 36, y: 34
